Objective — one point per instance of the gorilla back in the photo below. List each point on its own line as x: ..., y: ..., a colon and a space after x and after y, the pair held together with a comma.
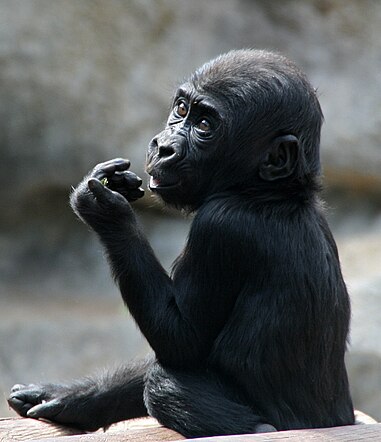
x: 249, y: 331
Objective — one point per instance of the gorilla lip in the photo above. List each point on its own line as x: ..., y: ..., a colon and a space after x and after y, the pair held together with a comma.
x: 156, y: 183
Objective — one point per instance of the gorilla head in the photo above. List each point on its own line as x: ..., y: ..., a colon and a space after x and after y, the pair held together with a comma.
x: 248, y: 120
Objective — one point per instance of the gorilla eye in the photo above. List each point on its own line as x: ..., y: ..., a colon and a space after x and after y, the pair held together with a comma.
x: 204, y: 125
x: 181, y: 109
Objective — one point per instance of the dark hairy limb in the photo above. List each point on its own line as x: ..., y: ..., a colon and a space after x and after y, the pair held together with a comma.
x: 199, y: 404
x: 152, y: 297
x: 88, y: 404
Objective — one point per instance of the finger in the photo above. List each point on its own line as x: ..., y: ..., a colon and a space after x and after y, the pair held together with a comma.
x: 19, y: 405
x: 23, y: 397
x: 118, y: 163
x: 132, y: 180
x: 108, y: 168
x: 124, y: 179
x: 101, y: 192
x: 30, y: 395
x: 17, y: 387
x: 46, y: 409
x: 134, y: 194
x: 131, y: 195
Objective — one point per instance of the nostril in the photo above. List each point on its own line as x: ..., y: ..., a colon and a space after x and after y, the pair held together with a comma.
x: 166, y: 151
x: 152, y: 145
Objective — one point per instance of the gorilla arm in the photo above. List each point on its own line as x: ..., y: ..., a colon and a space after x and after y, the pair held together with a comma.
x: 170, y: 313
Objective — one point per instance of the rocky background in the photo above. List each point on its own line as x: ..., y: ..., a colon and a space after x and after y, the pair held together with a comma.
x: 89, y: 80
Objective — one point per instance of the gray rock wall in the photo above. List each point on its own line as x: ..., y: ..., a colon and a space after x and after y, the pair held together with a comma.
x: 81, y: 81
x: 85, y: 81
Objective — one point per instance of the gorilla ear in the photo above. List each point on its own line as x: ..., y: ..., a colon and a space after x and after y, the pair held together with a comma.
x: 281, y: 158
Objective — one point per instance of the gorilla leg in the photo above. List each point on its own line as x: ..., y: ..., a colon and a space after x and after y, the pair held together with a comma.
x: 88, y: 404
x: 197, y: 405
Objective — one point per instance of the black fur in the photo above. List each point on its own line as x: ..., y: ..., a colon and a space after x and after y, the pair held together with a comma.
x: 251, y: 327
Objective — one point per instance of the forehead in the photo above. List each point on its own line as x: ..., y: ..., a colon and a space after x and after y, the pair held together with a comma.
x: 200, y: 98
x: 190, y: 92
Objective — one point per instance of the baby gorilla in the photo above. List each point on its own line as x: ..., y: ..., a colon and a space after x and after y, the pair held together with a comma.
x: 249, y: 331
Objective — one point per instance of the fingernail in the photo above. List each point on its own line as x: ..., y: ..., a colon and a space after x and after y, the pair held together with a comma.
x: 92, y: 184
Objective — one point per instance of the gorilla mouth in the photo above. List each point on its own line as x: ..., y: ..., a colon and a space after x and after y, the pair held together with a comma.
x: 161, y: 183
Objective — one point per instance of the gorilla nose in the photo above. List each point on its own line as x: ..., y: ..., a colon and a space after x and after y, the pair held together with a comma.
x: 166, y: 150
x: 165, y: 146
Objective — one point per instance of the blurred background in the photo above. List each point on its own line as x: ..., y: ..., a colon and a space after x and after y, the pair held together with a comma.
x: 83, y: 81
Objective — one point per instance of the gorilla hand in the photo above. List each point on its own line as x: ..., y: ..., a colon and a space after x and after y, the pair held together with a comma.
x: 119, y: 179
x: 104, y: 205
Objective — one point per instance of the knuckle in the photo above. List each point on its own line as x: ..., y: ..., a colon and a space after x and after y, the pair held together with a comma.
x: 17, y: 387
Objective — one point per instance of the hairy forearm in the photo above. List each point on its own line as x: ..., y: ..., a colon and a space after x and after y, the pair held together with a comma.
x: 150, y: 294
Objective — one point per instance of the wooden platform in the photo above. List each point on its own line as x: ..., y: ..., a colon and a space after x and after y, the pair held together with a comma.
x: 149, y: 430
x: 142, y: 430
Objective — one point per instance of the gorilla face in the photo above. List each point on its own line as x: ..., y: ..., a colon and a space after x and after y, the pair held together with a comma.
x: 182, y: 155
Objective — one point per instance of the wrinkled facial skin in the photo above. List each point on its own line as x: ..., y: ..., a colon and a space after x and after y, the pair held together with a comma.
x: 178, y: 157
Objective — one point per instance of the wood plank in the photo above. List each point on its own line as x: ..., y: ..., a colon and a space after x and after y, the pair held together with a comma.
x: 19, y: 429
x: 151, y: 435
x: 350, y: 433
x: 144, y: 430
x: 136, y: 430
x: 148, y: 429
